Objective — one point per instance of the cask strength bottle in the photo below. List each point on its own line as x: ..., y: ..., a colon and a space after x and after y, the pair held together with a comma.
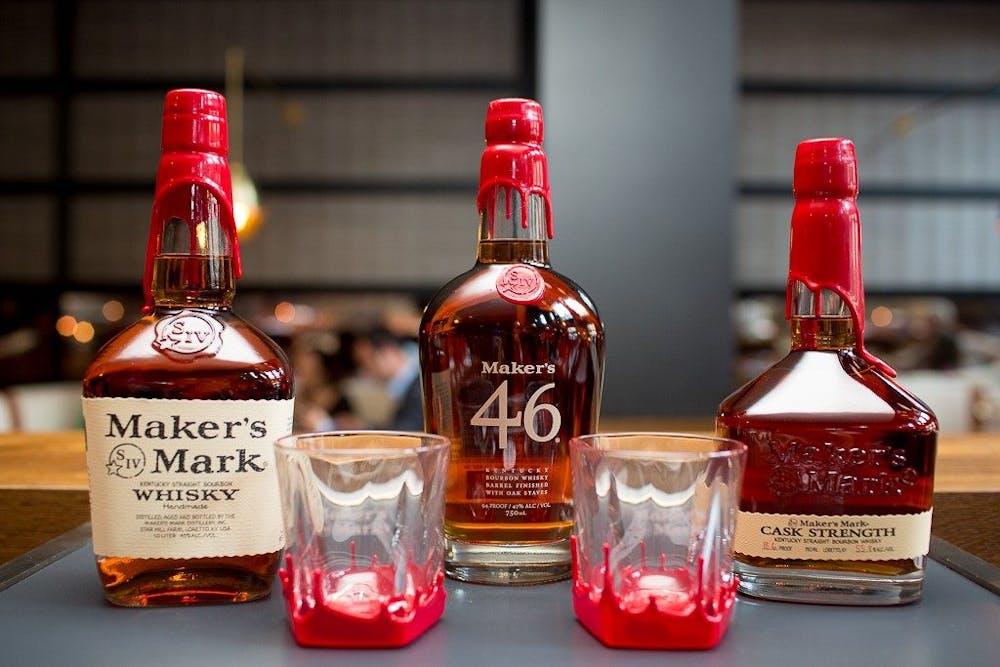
x: 512, y: 365
x: 836, y: 499
x: 182, y: 407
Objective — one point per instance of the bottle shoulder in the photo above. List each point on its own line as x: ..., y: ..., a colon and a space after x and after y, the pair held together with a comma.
x: 473, y: 297
x: 826, y: 386
x: 174, y: 349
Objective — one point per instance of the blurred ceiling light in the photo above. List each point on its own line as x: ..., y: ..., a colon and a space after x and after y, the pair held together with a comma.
x: 84, y: 332
x: 881, y: 316
x: 113, y: 310
x: 247, y: 211
x: 66, y: 325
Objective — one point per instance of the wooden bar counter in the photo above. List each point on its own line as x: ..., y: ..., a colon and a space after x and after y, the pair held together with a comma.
x: 43, y: 487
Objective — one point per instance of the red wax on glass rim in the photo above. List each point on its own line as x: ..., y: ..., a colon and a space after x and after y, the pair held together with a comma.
x: 655, y: 608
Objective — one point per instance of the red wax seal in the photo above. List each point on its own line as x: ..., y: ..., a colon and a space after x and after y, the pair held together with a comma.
x: 521, y: 284
x: 188, y: 336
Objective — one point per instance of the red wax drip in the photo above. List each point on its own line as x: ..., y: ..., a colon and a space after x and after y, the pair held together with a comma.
x: 487, y: 198
x: 514, y: 160
x: 194, y: 150
x: 390, y: 620
x: 825, y: 245
x: 693, y: 620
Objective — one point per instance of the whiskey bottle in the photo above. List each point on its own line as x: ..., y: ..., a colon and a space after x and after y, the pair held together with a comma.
x: 182, y: 407
x: 836, y: 499
x: 512, y: 365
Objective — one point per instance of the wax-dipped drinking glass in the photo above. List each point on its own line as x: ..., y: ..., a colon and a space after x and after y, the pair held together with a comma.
x: 363, y: 516
x: 652, y: 550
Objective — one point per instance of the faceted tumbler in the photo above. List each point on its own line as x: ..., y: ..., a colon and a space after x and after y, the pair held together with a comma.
x: 652, y: 552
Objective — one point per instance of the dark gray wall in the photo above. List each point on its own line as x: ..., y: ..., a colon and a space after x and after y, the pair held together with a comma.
x: 640, y: 109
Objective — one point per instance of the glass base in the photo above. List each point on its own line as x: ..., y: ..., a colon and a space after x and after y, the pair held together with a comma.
x: 507, y: 564
x: 843, y: 588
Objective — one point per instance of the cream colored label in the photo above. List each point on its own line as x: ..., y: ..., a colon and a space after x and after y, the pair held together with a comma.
x: 184, y: 479
x: 811, y: 536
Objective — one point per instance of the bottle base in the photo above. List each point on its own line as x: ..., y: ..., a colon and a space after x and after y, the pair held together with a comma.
x: 826, y: 587
x: 507, y: 564
x: 183, y: 588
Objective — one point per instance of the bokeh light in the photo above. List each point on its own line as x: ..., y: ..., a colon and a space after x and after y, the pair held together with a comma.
x: 284, y: 312
x: 113, y: 310
x: 84, y: 332
x: 881, y: 316
x: 66, y: 325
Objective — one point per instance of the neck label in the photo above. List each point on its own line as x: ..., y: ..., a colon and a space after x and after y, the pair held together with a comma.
x: 521, y: 284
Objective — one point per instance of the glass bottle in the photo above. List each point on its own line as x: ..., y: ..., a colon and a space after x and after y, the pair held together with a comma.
x: 182, y: 407
x: 837, y: 495
x: 512, y: 366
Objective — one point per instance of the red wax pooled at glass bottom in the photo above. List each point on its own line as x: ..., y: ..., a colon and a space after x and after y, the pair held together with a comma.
x: 361, y: 610
x: 656, y: 608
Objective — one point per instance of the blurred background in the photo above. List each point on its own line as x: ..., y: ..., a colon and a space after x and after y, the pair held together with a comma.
x: 670, y: 128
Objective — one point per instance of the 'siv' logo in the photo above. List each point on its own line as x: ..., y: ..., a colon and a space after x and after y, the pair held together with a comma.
x: 125, y: 460
x: 521, y: 284
x: 187, y: 336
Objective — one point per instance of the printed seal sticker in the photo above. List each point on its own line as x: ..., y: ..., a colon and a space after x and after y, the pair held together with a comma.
x: 521, y: 284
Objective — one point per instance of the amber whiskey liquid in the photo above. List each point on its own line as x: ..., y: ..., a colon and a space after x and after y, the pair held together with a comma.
x: 248, y: 366
x: 832, y: 444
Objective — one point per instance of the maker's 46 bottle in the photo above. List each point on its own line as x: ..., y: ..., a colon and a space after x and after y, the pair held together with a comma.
x: 512, y: 361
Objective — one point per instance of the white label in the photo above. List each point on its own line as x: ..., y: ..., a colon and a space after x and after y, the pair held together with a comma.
x: 184, y: 479
x: 817, y: 537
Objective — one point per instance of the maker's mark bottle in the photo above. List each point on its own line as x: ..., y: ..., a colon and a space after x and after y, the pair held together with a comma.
x: 512, y: 362
x: 836, y: 499
x: 182, y: 407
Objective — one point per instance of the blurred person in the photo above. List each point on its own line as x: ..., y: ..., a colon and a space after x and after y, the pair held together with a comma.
x: 392, y: 360
x: 932, y: 338
x: 320, y: 404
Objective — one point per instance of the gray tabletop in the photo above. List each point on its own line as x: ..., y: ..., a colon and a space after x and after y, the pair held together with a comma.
x: 57, y: 616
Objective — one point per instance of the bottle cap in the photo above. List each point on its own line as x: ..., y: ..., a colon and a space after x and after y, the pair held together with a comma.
x: 825, y: 167
x: 825, y: 244
x: 513, y: 158
x: 514, y: 120
x: 195, y: 120
x: 194, y: 149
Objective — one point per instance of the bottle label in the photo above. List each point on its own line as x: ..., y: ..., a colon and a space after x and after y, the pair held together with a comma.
x: 822, y: 537
x: 513, y: 420
x: 184, y: 478
x: 521, y: 284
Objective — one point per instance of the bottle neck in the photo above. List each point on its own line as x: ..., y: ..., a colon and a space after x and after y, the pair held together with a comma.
x: 505, y: 237
x: 820, y: 321
x: 194, y: 267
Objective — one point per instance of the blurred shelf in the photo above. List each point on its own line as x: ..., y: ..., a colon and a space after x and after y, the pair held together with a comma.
x: 381, y: 186
x: 883, y: 190
x: 50, y: 85
x: 911, y: 291
x: 888, y: 88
